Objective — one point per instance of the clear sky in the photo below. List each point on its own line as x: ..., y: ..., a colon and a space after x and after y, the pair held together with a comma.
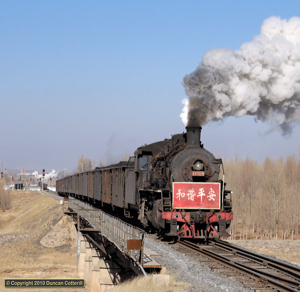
x: 101, y: 78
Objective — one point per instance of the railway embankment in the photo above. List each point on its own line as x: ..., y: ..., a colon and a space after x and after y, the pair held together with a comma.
x: 187, y: 267
x: 36, y: 240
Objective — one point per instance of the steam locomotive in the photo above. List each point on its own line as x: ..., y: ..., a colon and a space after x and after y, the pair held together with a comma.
x: 171, y: 185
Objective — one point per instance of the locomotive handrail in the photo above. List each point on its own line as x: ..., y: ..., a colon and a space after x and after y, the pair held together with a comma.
x: 123, y: 186
x: 223, y: 186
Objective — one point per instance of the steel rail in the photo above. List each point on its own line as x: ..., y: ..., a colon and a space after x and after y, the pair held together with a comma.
x: 239, y: 267
x: 256, y: 258
x: 265, y: 260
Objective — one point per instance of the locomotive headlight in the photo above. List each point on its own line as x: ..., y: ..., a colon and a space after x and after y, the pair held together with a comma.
x: 198, y: 165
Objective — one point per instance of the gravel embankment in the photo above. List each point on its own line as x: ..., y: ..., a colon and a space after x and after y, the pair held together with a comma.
x: 198, y: 274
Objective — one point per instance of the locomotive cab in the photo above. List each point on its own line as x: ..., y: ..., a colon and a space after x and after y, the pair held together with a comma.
x: 171, y: 185
x: 179, y: 188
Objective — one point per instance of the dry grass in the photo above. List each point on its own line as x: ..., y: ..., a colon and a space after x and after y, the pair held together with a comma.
x: 147, y: 284
x: 289, y: 256
x: 292, y: 257
x: 5, y: 198
x: 22, y: 227
x: 285, y: 250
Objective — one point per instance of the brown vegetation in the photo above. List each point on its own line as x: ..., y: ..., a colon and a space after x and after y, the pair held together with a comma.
x: 84, y: 164
x: 5, y: 198
x: 285, y: 250
x: 266, y: 198
x: 149, y: 284
x: 35, y: 241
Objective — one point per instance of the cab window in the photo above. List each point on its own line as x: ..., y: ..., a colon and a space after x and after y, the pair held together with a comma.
x: 143, y: 163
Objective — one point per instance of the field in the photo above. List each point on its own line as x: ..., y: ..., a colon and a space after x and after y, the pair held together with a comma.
x: 36, y: 241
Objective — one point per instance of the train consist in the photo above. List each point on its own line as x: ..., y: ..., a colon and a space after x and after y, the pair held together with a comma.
x: 171, y: 185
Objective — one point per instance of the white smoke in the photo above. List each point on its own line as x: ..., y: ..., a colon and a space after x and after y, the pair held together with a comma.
x: 52, y: 174
x: 36, y: 174
x: 262, y: 79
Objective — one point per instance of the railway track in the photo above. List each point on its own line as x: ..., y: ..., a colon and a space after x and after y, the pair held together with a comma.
x: 265, y: 273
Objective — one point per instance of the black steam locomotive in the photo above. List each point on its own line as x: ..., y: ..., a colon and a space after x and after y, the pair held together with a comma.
x: 171, y: 185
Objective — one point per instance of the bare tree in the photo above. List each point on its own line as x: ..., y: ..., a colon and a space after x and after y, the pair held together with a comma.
x: 266, y: 197
x: 84, y: 164
x: 100, y: 164
x: 126, y: 157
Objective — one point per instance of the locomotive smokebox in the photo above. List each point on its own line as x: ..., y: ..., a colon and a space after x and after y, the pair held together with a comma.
x: 193, y: 136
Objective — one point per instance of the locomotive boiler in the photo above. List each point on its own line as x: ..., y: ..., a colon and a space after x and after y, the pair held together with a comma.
x: 171, y: 185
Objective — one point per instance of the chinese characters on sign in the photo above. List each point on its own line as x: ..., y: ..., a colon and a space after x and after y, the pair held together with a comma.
x: 196, y: 195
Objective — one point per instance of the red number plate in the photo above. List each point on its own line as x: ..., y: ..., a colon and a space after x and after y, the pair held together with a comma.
x: 196, y: 195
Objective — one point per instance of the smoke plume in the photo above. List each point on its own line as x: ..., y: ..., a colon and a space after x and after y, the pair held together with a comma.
x: 52, y: 174
x: 49, y: 175
x: 261, y: 79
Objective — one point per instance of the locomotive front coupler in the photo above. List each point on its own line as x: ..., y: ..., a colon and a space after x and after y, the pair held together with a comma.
x: 173, y: 228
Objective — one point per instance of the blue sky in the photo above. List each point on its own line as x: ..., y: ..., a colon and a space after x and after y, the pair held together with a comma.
x: 101, y: 78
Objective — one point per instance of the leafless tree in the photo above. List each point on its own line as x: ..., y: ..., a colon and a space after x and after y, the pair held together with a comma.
x: 100, y: 164
x: 84, y: 164
x: 126, y: 157
x: 266, y: 197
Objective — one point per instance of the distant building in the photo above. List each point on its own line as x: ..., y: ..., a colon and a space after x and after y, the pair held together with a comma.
x: 19, y: 186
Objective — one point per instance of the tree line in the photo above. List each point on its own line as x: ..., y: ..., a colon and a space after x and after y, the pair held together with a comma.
x: 86, y: 164
x: 265, y: 197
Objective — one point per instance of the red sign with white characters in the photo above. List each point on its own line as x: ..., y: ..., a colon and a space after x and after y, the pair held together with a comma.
x: 190, y: 195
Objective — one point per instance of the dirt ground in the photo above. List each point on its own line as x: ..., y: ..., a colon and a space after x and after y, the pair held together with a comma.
x: 37, y: 241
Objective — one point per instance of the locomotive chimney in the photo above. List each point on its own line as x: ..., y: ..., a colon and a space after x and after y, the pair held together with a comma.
x: 193, y: 136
